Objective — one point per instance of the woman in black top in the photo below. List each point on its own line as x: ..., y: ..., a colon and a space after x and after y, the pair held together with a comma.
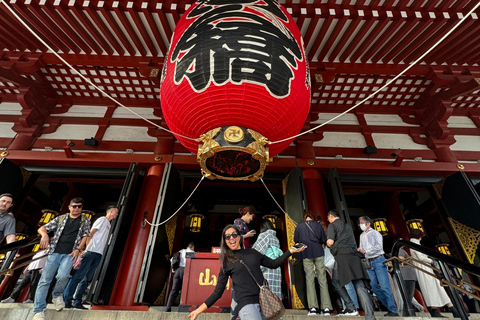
x: 246, y: 290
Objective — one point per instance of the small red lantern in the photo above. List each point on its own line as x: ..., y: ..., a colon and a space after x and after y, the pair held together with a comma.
x: 240, y: 64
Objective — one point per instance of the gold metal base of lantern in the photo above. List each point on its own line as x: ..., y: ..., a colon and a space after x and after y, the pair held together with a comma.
x: 233, y: 153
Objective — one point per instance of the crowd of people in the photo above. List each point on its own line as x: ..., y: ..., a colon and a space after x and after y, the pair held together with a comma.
x: 74, y: 241
x: 354, y: 273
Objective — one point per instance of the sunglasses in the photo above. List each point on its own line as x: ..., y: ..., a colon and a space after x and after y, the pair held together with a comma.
x: 75, y: 206
x: 234, y: 235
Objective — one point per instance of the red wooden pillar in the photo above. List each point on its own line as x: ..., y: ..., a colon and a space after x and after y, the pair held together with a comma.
x: 126, y: 284
x: 315, y: 192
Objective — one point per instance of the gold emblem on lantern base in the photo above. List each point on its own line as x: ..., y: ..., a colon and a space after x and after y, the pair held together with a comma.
x: 234, y: 134
x: 237, y: 154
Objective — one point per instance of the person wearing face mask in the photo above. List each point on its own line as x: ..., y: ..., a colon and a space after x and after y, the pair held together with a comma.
x: 371, y: 245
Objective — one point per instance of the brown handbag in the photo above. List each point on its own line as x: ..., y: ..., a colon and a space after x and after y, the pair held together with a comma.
x: 271, y: 305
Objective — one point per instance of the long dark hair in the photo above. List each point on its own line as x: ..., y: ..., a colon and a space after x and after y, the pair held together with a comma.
x: 226, y: 254
x: 266, y: 225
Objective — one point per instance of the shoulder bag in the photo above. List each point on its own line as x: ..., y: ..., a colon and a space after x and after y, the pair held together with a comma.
x: 271, y: 305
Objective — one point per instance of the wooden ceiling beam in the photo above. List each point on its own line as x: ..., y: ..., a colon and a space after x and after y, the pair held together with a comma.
x: 361, y: 34
x: 98, y: 40
x: 121, y: 15
x: 451, y: 44
x: 112, y: 22
x: 333, y: 38
x: 112, y: 40
x: 12, y: 27
x: 400, y: 39
x: 42, y: 25
x: 76, y: 28
x: 135, y: 16
x: 427, y: 36
x: 370, y: 39
x: 154, y: 29
x: 346, y: 36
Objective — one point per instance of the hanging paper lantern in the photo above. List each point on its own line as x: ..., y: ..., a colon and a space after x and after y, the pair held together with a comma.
x: 235, y: 65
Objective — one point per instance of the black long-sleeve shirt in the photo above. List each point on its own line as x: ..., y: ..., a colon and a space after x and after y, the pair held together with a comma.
x: 246, y: 290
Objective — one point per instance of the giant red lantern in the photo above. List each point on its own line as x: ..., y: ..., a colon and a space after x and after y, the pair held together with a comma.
x: 236, y: 75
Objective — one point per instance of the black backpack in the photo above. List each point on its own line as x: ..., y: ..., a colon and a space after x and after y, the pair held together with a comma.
x: 175, y: 260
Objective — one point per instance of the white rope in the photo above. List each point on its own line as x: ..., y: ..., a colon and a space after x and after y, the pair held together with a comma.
x: 388, y: 82
x: 159, y: 224
x: 85, y: 78
x: 271, y: 195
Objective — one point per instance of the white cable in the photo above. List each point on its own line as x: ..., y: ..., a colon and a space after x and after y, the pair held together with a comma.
x: 159, y: 224
x: 277, y: 202
x: 388, y: 82
x: 85, y: 78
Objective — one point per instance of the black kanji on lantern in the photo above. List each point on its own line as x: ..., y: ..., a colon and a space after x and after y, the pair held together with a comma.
x: 240, y: 42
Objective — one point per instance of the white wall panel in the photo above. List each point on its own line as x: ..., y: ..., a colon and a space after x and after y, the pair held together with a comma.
x: 72, y: 132
x: 395, y: 141
x: 387, y: 120
x: 460, y: 122
x: 6, y: 130
x: 144, y: 112
x: 124, y: 133
x: 10, y: 108
x: 341, y: 140
x: 466, y: 143
x: 78, y: 111
x: 348, y: 118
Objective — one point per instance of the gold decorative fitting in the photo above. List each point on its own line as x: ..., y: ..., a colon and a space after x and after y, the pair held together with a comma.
x: 233, y: 134
x: 310, y: 162
x: 4, y: 154
x: 460, y: 166
x: 319, y: 78
x: 233, y: 153
x: 158, y: 158
x: 154, y: 73
x: 468, y: 237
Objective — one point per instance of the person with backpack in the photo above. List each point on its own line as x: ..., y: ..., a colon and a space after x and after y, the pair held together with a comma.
x: 71, y: 232
x: 267, y: 244
x: 311, y: 234
x: 178, y: 267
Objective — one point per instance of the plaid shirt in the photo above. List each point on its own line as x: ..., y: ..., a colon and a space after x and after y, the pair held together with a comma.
x: 84, y: 231
x: 273, y: 276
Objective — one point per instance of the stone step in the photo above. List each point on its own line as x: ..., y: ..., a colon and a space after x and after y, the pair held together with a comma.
x: 20, y: 311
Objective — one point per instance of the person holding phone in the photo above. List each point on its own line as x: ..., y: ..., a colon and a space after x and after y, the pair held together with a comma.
x: 310, y: 233
x: 246, y: 216
x: 246, y: 290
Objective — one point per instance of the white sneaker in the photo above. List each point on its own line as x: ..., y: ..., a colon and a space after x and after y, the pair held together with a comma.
x: 326, y: 312
x: 39, y: 316
x: 59, y: 303
x: 312, y: 312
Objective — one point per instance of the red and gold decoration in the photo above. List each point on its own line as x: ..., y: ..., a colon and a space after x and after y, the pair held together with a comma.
x: 380, y: 225
x: 236, y: 72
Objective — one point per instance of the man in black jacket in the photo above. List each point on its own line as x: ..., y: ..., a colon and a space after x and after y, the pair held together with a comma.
x: 348, y: 266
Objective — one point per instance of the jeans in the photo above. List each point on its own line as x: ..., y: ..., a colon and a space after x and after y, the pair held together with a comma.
x: 316, y: 267
x: 351, y: 292
x: 362, y: 294
x: 251, y: 312
x: 380, y: 283
x: 176, y: 286
x: 85, y: 272
x: 31, y: 277
x: 55, y: 261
